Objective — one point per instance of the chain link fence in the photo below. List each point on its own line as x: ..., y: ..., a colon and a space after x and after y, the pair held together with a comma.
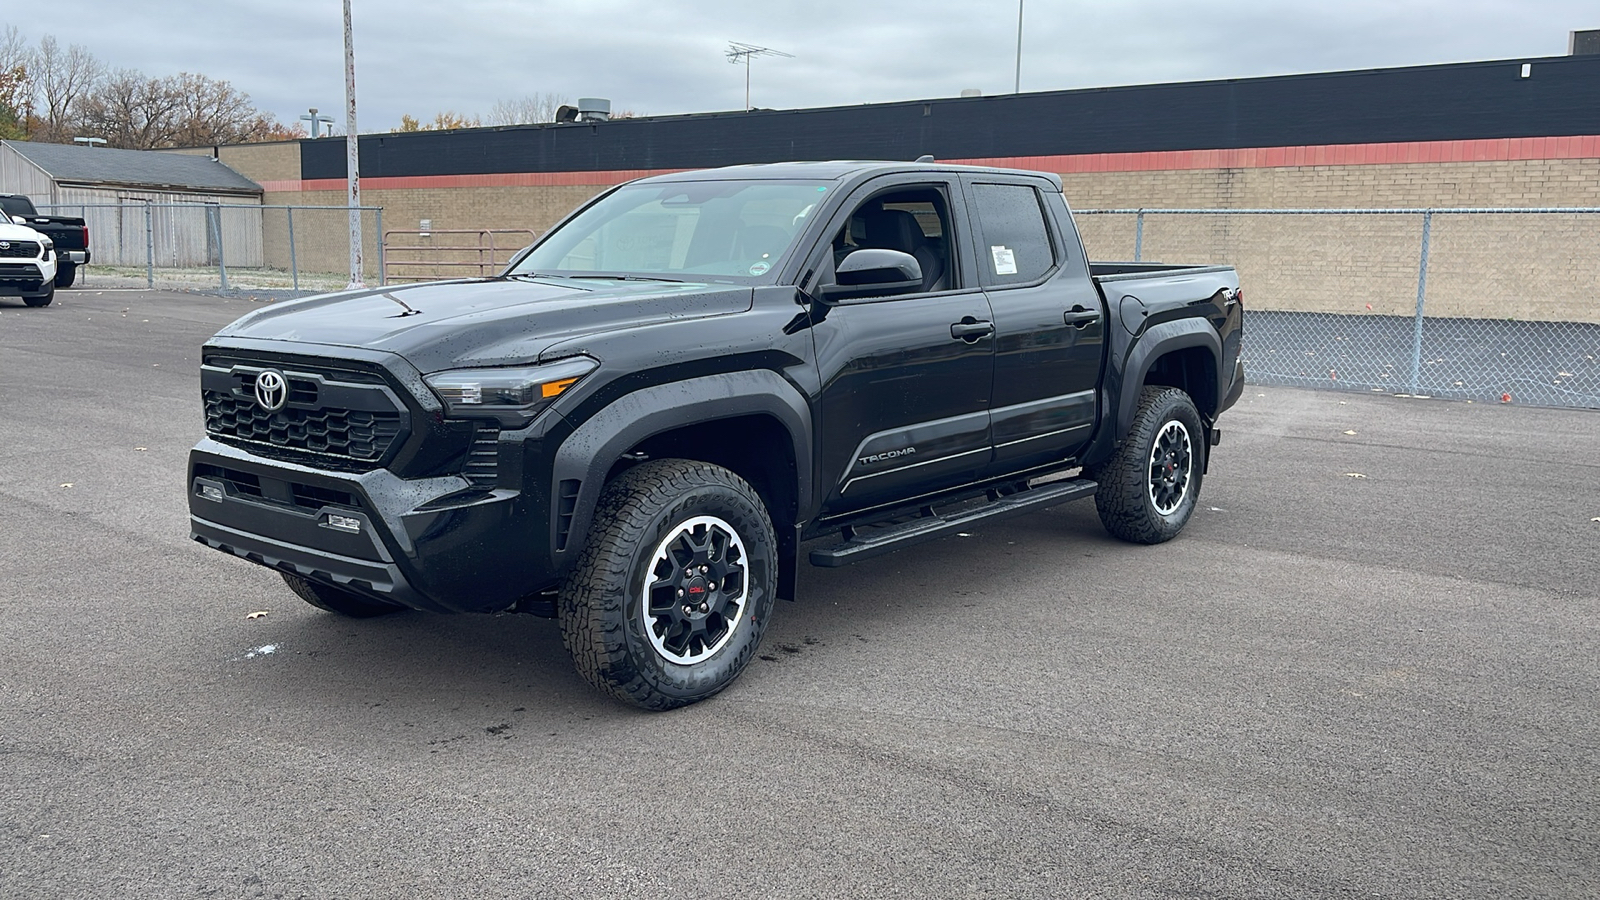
x: 1494, y: 305
x: 227, y: 247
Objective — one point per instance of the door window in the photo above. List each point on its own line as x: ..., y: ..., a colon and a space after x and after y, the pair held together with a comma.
x: 912, y: 220
x: 1014, y: 243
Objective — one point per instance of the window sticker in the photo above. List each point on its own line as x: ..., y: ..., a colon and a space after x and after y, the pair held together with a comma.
x: 1005, y: 261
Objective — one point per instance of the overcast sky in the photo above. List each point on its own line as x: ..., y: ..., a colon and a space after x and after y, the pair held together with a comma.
x: 665, y: 57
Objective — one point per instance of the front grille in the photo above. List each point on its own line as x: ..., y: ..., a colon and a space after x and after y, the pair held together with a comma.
x: 20, y: 250
x: 333, y: 418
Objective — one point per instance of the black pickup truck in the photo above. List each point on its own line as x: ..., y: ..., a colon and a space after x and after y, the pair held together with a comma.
x: 636, y: 425
x: 69, y: 234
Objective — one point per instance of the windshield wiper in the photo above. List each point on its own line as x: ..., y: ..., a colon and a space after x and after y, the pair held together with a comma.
x: 622, y: 278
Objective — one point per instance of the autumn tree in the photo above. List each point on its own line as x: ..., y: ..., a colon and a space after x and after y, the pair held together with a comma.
x: 443, y: 121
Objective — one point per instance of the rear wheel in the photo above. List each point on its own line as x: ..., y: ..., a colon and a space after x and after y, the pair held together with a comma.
x: 66, y: 274
x: 1148, y: 489
x: 672, y: 593
x: 337, y: 600
x: 44, y: 298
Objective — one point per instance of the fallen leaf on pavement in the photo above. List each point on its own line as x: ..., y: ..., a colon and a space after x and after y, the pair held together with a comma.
x: 1354, y: 475
x: 258, y: 614
x: 68, y: 484
x: 1349, y: 432
x: 141, y: 449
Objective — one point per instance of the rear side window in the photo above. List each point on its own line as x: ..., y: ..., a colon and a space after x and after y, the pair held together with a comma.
x: 1014, y: 243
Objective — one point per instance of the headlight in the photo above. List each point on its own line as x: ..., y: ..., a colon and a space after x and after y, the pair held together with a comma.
x: 514, y: 396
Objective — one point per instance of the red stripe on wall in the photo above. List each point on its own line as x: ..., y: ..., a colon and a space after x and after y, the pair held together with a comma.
x: 1487, y: 150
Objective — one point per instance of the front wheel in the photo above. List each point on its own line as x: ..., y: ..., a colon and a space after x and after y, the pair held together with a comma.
x: 672, y: 593
x: 42, y: 299
x: 1149, y: 487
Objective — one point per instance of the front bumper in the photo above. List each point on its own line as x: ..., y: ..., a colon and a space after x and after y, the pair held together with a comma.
x: 27, y: 276
x: 432, y: 543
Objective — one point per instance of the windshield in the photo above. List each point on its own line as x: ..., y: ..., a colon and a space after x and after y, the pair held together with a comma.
x: 708, y: 229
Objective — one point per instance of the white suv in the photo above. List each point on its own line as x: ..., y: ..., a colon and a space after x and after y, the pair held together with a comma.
x: 27, y: 263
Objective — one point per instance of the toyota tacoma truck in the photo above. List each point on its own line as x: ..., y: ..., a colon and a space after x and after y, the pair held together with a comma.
x: 638, y: 425
x: 27, y: 263
x: 69, y: 234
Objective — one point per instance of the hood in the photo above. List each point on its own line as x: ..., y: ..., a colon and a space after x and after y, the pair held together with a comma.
x: 488, y: 322
x: 20, y: 233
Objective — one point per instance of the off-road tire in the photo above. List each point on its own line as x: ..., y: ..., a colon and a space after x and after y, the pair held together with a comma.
x: 44, y: 298
x: 338, y: 600
x: 66, y: 274
x: 615, y: 637
x: 1133, y: 479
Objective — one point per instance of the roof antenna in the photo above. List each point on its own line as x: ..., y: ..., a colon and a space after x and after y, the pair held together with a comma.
x: 926, y: 157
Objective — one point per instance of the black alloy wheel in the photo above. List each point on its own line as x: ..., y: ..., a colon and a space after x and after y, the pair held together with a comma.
x: 1149, y: 487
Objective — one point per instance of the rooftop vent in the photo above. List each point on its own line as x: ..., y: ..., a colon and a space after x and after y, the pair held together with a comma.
x: 1584, y: 43
x: 593, y: 109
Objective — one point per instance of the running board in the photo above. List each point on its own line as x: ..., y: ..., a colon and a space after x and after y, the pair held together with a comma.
x: 931, y: 524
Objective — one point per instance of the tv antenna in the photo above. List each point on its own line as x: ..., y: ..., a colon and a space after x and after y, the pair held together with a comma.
x: 738, y: 52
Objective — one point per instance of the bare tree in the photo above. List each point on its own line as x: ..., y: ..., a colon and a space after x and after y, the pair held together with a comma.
x: 211, y: 111
x: 61, y: 79
x: 529, y: 110
x: 132, y: 111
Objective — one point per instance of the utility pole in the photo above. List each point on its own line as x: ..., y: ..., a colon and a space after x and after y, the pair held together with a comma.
x: 738, y: 51
x: 352, y: 152
x: 1017, y: 88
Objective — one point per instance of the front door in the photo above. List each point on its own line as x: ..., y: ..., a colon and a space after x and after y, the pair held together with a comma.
x: 905, y: 377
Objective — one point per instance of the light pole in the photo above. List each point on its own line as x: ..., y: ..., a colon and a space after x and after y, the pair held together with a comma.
x: 317, y: 122
x: 352, y: 153
x: 1017, y: 88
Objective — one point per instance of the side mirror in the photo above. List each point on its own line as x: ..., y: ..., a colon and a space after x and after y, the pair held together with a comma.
x: 874, y: 272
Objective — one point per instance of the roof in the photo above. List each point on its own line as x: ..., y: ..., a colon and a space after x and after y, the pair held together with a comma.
x: 831, y: 170
x: 134, y: 168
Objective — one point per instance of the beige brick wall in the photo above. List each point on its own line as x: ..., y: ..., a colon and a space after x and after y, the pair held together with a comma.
x: 1528, y: 267
x: 257, y: 162
x: 1525, y: 267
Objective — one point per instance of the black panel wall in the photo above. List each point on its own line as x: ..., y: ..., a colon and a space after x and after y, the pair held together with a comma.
x: 1425, y: 103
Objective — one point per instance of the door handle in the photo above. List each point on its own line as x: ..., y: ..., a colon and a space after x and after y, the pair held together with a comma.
x: 970, y: 329
x: 1080, y: 318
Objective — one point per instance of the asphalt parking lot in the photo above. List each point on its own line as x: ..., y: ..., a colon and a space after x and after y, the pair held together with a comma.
x: 1368, y: 669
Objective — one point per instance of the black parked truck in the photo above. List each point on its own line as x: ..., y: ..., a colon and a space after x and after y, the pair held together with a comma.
x: 636, y: 426
x: 69, y: 234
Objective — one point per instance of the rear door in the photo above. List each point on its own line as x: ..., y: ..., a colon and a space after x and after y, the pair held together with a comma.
x: 1049, y: 324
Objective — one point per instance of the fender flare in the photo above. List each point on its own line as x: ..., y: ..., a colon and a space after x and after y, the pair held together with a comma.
x: 1156, y: 342
x: 587, y: 455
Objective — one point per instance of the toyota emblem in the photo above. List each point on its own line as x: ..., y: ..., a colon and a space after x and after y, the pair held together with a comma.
x: 5, y: 245
x: 272, y: 390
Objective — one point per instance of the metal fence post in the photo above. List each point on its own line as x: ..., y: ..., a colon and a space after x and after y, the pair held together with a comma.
x: 383, y: 270
x: 1138, y: 236
x: 214, y: 214
x: 294, y: 265
x: 1422, y: 294
x: 149, y: 247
